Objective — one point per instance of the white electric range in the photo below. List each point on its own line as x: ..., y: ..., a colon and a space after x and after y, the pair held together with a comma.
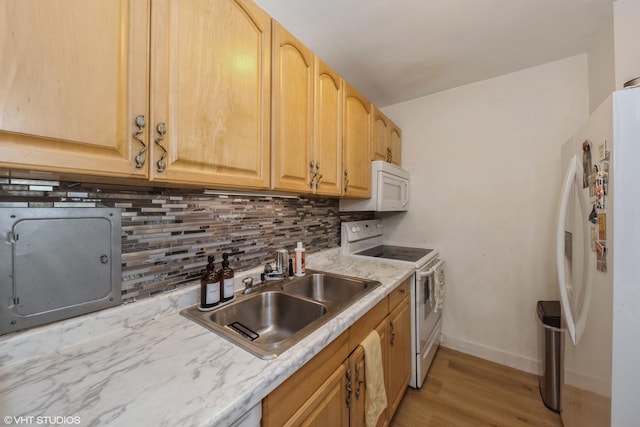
x: 366, y: 238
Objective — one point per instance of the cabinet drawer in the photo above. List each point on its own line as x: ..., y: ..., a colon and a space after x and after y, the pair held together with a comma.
x: 399, y: 293
x: 367, y: 323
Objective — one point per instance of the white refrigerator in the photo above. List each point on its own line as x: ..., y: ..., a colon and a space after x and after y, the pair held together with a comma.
x: 598, y: 263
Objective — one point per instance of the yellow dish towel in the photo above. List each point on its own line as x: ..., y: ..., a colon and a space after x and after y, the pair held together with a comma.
x: 376, y: 396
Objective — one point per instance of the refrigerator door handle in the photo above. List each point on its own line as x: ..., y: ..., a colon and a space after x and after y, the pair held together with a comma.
x: 565, y: 194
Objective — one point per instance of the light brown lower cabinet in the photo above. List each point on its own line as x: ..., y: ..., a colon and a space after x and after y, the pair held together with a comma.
x: 398, y: 368
x: 383, y: 331
x: 330, y: 389
x: 327, y: 405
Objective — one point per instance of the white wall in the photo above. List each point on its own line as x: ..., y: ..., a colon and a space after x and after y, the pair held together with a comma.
x: 601, y: 61
x: 626, y: 15
x: 485, y: 168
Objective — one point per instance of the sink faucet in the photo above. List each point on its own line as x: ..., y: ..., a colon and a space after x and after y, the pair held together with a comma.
x: 248, y: 285
x: 280, y: 272
x: 269, y: 275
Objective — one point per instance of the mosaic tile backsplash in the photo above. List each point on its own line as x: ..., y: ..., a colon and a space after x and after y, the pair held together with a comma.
x: 167, y: 234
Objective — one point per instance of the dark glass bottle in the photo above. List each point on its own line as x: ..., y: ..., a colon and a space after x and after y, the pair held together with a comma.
x: 210, y: 286
x: 226, y: 275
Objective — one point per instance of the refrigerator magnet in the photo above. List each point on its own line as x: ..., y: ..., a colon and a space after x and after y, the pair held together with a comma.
x: 594, y: 236
x: 602, y: 151
x: 601, y: 257
x: 593, y: 216
x: 600, y: 182
x: 592, y: 184
x: 602, y: 227
x: 586, y: 164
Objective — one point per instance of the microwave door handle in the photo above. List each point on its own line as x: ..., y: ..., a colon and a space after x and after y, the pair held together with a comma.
x: 405, y: 193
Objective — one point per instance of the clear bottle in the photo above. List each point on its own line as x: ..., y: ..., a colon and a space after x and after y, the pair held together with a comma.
x: 209, y: 287
x: 226, y: 275
x: 299, y: 262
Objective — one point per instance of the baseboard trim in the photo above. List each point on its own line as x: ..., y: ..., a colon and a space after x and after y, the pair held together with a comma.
x: 492, y: 354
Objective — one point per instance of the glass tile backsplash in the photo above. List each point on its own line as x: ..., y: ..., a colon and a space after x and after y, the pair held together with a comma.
x: 168, y: 233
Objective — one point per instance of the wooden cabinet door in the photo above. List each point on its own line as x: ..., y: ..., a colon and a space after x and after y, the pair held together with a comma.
x: 380, y: 144
x: 383, y: 331
x: 74, y: 78
x: 399, y: 362
x: 310, y: 389
x: 385, y: 138
x: 210, y: 87
x: 395, y: 142
x: 292, y: 133
x: 358, y: 388
x: 356, y: 140
x: 327, y: 144
x: 327, y: 406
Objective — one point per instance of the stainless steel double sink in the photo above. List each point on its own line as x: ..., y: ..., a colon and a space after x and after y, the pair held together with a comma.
x: 280, y: 314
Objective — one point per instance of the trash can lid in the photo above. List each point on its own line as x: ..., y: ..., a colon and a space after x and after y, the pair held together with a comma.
x: 549, y: 313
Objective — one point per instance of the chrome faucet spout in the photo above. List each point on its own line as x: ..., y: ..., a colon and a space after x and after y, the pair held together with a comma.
x: 273, y: 277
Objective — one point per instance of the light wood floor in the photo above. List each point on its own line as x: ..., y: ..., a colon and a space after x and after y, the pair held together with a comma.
x: 463, y: 390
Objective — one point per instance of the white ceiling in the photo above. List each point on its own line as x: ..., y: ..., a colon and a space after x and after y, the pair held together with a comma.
x: 396, y: 50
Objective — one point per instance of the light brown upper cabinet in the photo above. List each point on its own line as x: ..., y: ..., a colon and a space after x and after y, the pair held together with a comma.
x: 326, y: 162
x: 76, y: 95
x: 74, y: 78
x: 307, y: 119
x: 210, y: 93
x: 356, y: 140
x: 292, y: 106
x: 385, y: 143
x: 396, y: 144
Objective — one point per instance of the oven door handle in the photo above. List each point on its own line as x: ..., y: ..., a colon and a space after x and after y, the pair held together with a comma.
x: 427, y: 273
x: 427, y: 285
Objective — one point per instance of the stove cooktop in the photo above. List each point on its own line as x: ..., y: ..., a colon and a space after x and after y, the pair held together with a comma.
x: 398, y: 253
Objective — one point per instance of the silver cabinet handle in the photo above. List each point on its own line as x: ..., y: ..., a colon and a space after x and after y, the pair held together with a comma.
x: 318, y: 175
x: 392, y: 333
x: 346, y: 180
x: 348, y: 388
x: 140, y: 157
x: 314, y: 175
x: 358, y: 382
x: 161, y: 128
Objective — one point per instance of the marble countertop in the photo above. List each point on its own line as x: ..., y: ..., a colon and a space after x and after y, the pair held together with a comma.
x: 145, y: 364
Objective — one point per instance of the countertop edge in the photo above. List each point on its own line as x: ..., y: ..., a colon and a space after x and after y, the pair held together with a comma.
x: 123, y: 325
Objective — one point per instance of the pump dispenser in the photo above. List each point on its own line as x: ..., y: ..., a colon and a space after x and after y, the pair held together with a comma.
x: 299, y: 262
x: 209, y: 287
x: 226, y: 279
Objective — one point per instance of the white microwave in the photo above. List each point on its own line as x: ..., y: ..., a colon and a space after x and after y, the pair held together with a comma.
x: 389, y: 190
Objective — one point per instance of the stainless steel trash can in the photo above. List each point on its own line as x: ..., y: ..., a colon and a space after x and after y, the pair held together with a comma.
x: 549, y: 353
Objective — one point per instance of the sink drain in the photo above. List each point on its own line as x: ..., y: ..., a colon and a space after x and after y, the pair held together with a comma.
x: 244, y: 331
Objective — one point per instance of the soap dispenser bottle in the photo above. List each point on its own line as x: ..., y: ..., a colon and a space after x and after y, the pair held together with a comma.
x: 299, y: 259
x: 209, y: 287
x: 226, y: 279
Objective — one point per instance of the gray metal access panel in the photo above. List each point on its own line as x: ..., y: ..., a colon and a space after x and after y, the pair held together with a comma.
x: 57, y: 263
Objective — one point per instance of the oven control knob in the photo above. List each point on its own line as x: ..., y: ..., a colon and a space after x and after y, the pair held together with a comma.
x: 354, y: 229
